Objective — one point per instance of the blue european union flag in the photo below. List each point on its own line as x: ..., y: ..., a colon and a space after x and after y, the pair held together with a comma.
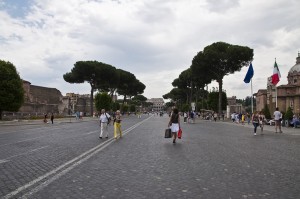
x: 249, y: 74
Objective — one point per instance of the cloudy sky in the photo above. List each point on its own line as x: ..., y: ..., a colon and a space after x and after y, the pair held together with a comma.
x: 154, y: 39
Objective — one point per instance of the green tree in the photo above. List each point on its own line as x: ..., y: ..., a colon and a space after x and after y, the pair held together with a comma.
x: 115, y: 106
x: 97, y: 74
x: 132, y: 108
x: 128, y: 85
x: 103, y: 101
x: 266, y: 112
x: 220, y: 59
x: 124, y: 108
x: 185, y: 107
x: 11, y: 88
x: 289, y: 114
x: 213, y: 100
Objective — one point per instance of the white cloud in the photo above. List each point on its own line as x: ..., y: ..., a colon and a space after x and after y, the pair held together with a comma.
x: 154, y: 39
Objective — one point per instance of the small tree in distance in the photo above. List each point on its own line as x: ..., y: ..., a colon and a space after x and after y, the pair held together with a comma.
x: 266, y: 112
x: 103, y: 101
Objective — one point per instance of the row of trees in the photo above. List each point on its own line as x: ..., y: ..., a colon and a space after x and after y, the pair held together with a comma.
x: 213, y: 63
x: 105, y: 78
x: 104, y: 101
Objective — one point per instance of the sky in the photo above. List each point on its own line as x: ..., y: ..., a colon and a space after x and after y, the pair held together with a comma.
x: 154, y: 39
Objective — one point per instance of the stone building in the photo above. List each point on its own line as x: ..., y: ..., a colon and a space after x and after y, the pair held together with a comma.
x: 158, y: 104
x: 287, y: 95
x: 261, y: 99
x: 73, y: 103
x: 38, y: 99
x: 232, y: 106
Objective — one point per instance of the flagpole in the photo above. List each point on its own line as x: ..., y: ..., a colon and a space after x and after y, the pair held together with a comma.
x: 275, y: 96
x: 251, y: 97
x: 276, y: 89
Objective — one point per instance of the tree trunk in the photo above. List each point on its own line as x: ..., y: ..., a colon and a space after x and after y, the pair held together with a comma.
x: 92, y: 101
x: 124, y: 100
x: 220, y: 96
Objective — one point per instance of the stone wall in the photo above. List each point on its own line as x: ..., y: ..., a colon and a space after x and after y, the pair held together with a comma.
x: 39, y: 100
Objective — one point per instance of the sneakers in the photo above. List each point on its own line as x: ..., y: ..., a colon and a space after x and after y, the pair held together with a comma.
x: 254, y: 133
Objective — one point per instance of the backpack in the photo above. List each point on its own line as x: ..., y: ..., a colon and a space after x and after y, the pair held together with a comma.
x: 108, y: 119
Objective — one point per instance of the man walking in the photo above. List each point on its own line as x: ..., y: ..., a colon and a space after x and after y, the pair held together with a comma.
x: 277, y: 118
x: 104, y: 121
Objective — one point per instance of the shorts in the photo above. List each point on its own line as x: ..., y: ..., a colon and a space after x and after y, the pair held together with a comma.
x: 174, y: 127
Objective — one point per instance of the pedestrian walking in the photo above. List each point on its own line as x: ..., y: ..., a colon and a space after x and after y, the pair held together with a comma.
x: 243, y: 119
x: 278, y: 119
x: 52, y: 118
x: 184, y: 117
x: 215, y: 116
x: 104, y: 120
x: 117, y: 125
x: 261, y: 118
x: 248, y: 118
x: 255, y: 121
x: 233, y: 116
x: 45, y: 118
x: 174, y: 123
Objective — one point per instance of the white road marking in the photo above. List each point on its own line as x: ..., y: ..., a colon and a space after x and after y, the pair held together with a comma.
x: 69, y: 166
x: 91, y: 132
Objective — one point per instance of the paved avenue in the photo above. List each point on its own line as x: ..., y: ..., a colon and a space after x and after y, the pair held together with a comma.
x: 213, y: 160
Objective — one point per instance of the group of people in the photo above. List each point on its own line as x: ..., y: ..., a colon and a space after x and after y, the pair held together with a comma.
x: 46, y: 118
x: 240, y: 118
x: 258, y: 119
x: 189, y: 117
x: 105, y: 120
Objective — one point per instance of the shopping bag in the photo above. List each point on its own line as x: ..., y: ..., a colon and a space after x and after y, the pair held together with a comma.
x: 168, y: 133
x: 179, y: 134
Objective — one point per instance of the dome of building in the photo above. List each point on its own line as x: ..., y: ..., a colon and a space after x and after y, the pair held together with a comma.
x: 296, y: 67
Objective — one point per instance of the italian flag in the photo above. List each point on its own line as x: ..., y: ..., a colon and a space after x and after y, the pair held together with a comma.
x: 276, y: 75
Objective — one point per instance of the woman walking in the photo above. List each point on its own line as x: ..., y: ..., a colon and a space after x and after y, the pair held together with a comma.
x: 117, y: 125
x: 261, y: 122
x: 255, y: 121
x: 174, y: 123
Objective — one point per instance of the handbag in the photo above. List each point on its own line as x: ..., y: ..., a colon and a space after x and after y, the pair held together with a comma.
x: 168, y: 133
x: 179, y: 134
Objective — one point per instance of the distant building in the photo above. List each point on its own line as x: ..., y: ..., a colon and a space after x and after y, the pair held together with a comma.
x: 73, y: 103
x: 261, y: 99
x: 232, y: 106
x: 287, y: 95
x: 158, y: 104
x: 40, y: 100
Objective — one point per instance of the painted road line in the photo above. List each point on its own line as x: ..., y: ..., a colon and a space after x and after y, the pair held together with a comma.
x: 91, y: 132
x: 66, y: 167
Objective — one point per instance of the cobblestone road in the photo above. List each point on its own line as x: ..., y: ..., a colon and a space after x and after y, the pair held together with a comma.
x: 213, y: 160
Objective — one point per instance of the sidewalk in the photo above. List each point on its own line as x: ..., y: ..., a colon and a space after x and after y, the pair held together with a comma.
x: 40, y: 121
x: 288, y: 130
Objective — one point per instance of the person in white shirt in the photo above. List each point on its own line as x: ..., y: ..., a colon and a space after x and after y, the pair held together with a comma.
x: 104, y: 121
x: 277, y: 118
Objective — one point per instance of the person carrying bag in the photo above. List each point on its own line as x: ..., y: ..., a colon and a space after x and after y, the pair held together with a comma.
x: 174, y: 124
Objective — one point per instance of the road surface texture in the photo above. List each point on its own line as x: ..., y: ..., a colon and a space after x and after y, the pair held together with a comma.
x: 212, y: 160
